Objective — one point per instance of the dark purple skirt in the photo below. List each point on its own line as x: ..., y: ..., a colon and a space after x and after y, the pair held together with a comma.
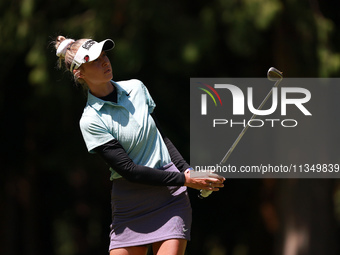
x: 145, y: 214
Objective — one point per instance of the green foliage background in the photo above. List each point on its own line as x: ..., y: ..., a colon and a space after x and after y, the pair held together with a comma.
x: 55, y: 197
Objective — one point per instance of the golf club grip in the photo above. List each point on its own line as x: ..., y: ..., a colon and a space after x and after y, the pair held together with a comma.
x: 204, y: 193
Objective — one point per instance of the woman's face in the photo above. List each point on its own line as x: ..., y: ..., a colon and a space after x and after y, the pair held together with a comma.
x: 98, y: 71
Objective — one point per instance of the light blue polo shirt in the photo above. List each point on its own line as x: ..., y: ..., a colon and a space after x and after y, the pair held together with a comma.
x: 129, y: 122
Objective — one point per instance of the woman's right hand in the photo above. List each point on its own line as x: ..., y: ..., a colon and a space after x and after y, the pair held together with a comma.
x: 203, y: 180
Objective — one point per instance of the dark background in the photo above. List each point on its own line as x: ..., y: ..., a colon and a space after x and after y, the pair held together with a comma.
x: 55, y: 197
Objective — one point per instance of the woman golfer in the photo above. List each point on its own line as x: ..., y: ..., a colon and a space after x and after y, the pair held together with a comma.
x: 150, y: 204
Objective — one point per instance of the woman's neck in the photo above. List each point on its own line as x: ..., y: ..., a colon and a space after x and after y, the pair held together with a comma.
x: 102, y: 90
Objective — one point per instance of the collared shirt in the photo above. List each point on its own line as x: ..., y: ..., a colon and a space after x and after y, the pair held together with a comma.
x: 128, y: 121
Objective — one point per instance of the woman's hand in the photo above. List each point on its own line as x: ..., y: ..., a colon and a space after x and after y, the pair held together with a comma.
x: 203, y: 180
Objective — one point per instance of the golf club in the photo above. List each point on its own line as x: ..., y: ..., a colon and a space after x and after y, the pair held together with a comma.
x: 273, y: 75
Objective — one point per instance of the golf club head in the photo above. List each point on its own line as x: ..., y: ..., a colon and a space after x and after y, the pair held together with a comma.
x: 274, y: 75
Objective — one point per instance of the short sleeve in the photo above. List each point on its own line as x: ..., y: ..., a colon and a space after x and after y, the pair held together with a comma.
x: 151, y: 104
x: 94, y: 133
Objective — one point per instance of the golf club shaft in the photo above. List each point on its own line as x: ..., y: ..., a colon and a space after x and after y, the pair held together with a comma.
x: 227, y: 155
x: 206, y: 193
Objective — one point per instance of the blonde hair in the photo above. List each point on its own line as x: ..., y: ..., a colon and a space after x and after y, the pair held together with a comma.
x: 68, y: 52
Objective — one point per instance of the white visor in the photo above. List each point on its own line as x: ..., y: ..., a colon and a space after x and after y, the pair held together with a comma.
x: 89, y: 51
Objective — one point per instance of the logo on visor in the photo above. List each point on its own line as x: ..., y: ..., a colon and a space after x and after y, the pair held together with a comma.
x: 87, y: 45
